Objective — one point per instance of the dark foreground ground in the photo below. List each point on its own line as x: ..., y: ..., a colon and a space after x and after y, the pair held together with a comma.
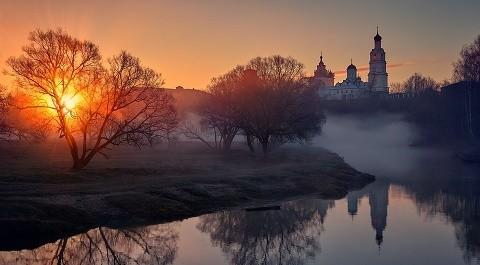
x: 42, y: 201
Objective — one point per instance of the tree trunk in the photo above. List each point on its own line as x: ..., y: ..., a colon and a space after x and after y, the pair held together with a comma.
x: 78, y: 164
x: 265, y: 148
x: 250, y: 143
x: 227, y: 142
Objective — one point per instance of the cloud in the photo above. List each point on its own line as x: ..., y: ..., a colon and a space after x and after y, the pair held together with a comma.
x: 366, y: 68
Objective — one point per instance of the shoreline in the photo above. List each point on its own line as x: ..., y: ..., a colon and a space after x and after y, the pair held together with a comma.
x: 38, y: 208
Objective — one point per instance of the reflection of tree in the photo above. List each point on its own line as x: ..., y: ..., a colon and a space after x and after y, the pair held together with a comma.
x: 462, y: 209
x: 287, y: 236
x: 468, y: 235
x: 455, y: 195
x: 147, y: 245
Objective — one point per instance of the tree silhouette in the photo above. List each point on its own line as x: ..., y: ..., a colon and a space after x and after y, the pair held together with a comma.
x: 396, y: 88
x: 5, y: 129
x: 11, y: 127
x: 90, y: 106
x: 283, y: 108
x: 156, y: 245
x: 221, y: 111
x: 467, y: 67
x: 268, y: 100
x: 417, y: 83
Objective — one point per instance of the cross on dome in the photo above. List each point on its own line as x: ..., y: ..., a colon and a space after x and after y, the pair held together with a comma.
x: 377, y: 37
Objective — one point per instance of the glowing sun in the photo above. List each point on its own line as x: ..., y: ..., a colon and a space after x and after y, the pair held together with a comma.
x: 69, y: 103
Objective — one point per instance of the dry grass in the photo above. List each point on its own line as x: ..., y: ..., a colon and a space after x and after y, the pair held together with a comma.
x: 41, y: 200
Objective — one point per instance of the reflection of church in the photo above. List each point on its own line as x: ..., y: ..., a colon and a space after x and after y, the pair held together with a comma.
x: 353, y: 87
x: 377, y: 193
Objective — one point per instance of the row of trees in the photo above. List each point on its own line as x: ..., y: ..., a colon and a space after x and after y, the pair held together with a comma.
x: 466, y: 68
x: 64, y: 86
x: 267, y: 101
x: 417, y: 83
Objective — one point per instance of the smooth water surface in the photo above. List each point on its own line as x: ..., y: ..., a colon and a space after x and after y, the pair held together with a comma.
x: 381, y: 224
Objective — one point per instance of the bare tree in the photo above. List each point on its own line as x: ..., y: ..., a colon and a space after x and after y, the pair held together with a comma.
x: 11, y: 127
x: 445, y: 83
x: 281, y: 108
x: 201, y: 132
x: 467, y: 67
x: 396, y: 88
x: 90, y: 106
x: 220, y: 112
x: 417, y: 83
x: 267, y: 100
x: 250, y: 84
x: 5, y: 130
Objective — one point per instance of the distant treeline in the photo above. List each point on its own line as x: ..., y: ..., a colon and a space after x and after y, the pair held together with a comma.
x: 447, y: 115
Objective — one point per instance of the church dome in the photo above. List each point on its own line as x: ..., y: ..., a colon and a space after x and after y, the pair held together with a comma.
x: 351, y: 67
x: 377, y: 37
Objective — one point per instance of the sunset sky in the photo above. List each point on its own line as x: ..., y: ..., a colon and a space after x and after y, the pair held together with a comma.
x: 190, y: 42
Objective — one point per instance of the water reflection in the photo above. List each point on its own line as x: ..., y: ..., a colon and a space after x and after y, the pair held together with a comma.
x: 286, y: 236
x: 290, y: 235
x: 422, y: 216
x: 148, y: 245
x: 458, y: 201
x: 377, y: 194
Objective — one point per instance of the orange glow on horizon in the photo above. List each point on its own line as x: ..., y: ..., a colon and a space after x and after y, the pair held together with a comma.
x: 195, y: 41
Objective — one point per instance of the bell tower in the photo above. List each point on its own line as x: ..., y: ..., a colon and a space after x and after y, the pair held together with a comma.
x: 378, y: 76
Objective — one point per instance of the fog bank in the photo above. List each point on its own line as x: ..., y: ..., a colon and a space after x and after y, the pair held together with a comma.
x: 379, y: 144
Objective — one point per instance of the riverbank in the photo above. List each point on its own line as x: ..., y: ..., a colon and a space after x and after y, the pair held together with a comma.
x: 41, y: 201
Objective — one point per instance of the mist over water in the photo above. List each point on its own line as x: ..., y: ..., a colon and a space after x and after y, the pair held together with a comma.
x: 379, y: 144
x: 440, y: 189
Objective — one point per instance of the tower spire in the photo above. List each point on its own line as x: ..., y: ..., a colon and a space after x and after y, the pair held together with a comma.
x: 321, y: 56
x: 377, y: 37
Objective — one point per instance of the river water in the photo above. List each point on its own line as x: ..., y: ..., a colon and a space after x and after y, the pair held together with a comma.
x: 423, y: 209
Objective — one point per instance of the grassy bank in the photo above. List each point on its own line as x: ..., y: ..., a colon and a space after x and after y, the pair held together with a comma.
x: 41, y: 201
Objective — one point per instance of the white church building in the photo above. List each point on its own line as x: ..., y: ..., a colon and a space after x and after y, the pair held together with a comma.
x: 353, y: 87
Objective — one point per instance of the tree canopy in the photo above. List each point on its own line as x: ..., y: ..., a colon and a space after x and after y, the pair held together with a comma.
x: 417, y: 83
x: 267, y: 100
